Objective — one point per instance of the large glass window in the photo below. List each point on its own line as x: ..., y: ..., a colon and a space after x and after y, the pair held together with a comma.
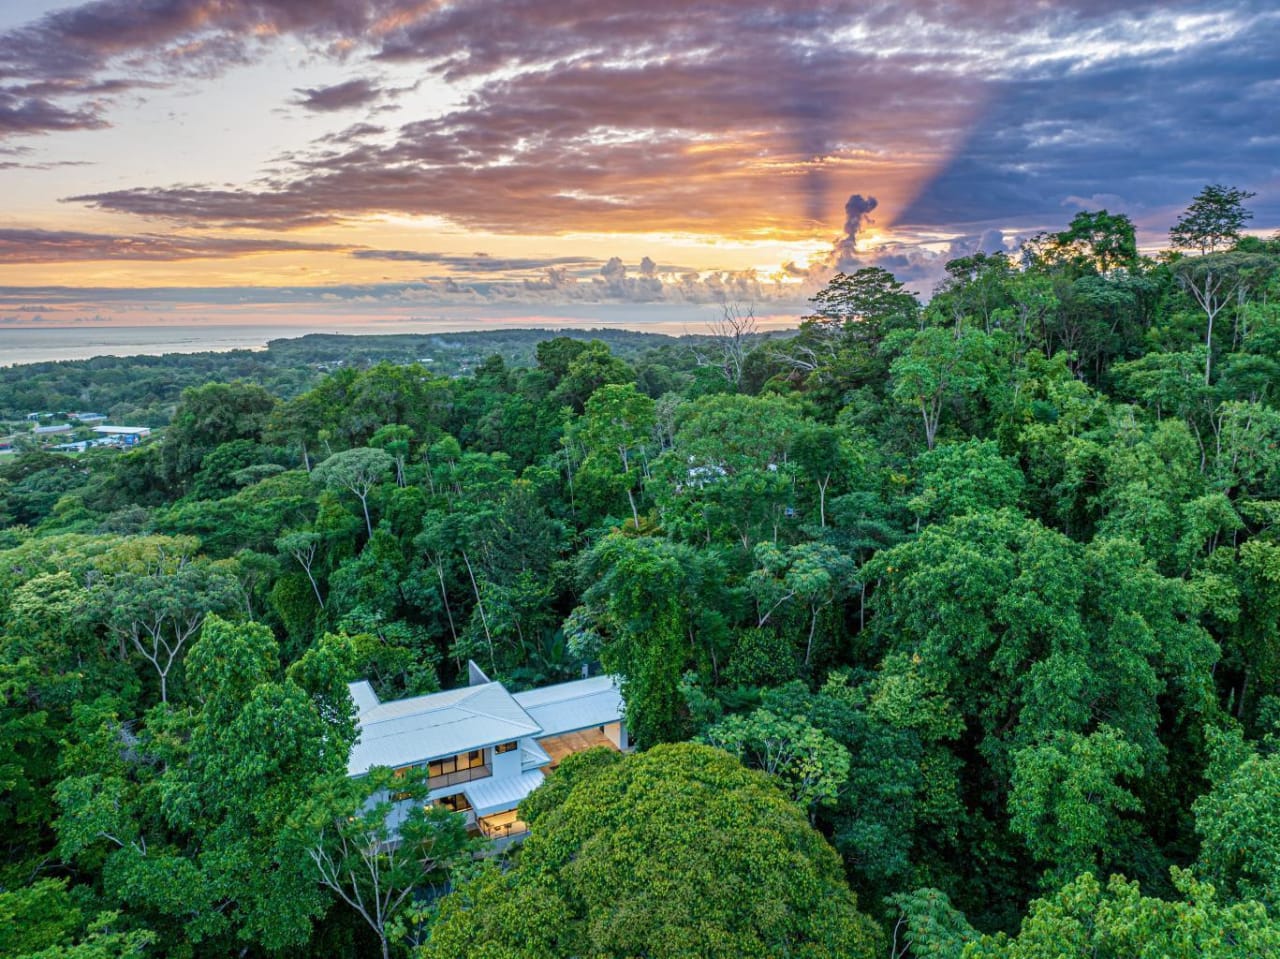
x: 506, y: 747
x: 454, y: 764
x: 461, y: 768
x: 458, y: 802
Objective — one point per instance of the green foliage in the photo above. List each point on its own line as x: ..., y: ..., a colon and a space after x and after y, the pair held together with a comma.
x: 979, y: 582
x: 1085, y: 918
x: 810, y: 764
x: 1214, y: 218
x: 675, y: 852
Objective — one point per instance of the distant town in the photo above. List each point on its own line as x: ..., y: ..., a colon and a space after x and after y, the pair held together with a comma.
x: 67, y: 432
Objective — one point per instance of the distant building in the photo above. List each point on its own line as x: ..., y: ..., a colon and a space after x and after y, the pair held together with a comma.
x: 484, y: 748
x: 56, y: 428
x: 89, y: 417
x: 125, y: 435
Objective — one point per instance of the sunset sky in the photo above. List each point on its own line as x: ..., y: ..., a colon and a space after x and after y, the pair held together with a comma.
x: 240, y: 160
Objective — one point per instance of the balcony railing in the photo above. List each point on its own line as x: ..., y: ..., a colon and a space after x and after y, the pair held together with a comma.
x: 461, y: 776
x: 502, y: 830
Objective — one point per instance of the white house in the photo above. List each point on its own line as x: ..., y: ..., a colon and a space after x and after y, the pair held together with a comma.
x: 485, y: 749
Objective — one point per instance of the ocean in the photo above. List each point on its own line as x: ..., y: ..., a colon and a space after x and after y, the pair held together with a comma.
x: 37, y: 344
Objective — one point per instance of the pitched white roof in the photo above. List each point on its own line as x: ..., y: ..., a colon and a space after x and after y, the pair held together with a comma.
x: 363, y: 695
x: 533, y: 756
x: 428, y: 727
x: 580, y: 704
x: 501, y: 793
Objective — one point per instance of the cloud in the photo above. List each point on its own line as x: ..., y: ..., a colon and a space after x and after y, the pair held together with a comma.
x: 61, y: 246
x: 27, y: 115
x: 739, y: 117
x: 949, y: 112
x: 343, y: 96
x: 857, y: 215
x: 74, y: 51
x: 476, y: 262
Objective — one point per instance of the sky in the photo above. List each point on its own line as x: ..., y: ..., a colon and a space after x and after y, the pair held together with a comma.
x: 341, y: 161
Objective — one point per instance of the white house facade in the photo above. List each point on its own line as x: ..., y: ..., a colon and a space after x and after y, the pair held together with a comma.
x: 484, y: 748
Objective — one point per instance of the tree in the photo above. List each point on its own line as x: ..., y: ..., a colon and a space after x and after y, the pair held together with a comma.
x: 375, y: 855
x: 209, y: 416
x: 1095, y: 241
x: 186, y: 814
x: 1238, y: 820
x: 823, y: 455
x: 936, y: 367
x: 813, y: 574
x: 1086, y: 918
x: 633, y: 597
x: 1213, y: 220
x: 1216, y: 281
x: 396, y: 440
x: 674, y: 852
x: 1067, y: 798
x: 357, y: 471
x: 969, y: 477
x: 303, y: 546
x: 616, y: 425
x: 731, y: 337
x: 852, y: 315
x: 159, y: 608
x: 810, y: 764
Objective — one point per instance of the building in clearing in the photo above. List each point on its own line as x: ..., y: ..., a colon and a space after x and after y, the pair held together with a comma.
x: 484, y: 748
x: 124, y: 435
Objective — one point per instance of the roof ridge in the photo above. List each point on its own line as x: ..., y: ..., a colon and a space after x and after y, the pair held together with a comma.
x: 503, y: 719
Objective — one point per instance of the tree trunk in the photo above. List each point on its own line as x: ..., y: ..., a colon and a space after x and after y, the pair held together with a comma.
x: 444, y: 594
x: 364, y: 504
x: 484, y: 620
x: 315, y: 587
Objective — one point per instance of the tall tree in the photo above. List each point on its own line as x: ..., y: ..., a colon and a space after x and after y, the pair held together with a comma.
x: 376, y: 855
x: 358, y: 471
x: 1213, y: 220
x: 677, y: 851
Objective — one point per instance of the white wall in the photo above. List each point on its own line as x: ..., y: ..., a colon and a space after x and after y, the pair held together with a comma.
x: 505, y: 764
x: 616, y: 734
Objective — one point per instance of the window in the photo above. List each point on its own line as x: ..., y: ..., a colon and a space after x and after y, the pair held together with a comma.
x: 458, y: 802
x: 506, y: 747
x: 458, y: 766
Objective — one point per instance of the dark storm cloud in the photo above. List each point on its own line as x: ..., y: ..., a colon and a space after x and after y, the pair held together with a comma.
x: 59, y: 246
x: 343, y: 96
x: 1139, y: 134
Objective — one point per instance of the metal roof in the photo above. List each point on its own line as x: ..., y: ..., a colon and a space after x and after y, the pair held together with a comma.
x: 533, y: 756
x: 363, y: 695
x: 415, y: 730
x: 567, y: 707
x: 488, y: 796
